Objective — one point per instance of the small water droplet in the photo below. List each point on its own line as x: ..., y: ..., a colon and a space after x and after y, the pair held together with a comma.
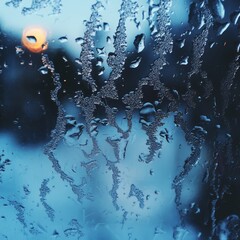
x: 19, y: 50
x: 212, y: 44
x: 109, y: 40
x: 79, y: 40
x: 106, y: 26
x: 101, y: 71
x: 63, y: 39
x: 99, y: 62
x: 101, y: 51
x: 222, y: 27
x: 64, y: 59
x: 99, y: 27
x: 144, y: 14
x: 55, y: 233
x: 184, y: 61
x: 77, y: 60
x: 234, y: 17
x: 43, y: 70
x: 181, y: 43
x: 238, y: 48
x: 205, y: 118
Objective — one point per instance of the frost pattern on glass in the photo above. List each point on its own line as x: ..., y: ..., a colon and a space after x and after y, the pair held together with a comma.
x: 126, y: 126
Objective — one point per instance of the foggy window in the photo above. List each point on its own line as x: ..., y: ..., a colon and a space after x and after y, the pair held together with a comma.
x: 119, y: 119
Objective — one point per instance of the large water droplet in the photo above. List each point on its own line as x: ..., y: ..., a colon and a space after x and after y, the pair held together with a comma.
x: 147, y: 113
x: 135, y: 63
x: 217, y: 8
x: 139, y: 42
x: 31, y: 39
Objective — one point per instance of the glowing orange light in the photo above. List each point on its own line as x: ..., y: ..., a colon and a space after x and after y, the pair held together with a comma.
x: 34, y: 39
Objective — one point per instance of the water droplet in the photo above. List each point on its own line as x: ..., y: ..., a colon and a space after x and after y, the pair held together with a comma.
x: 222, y: 27
x: 70, y: 120
x: 217, y: 8
x: 94, y: 126
x: 205, y: 118
x: 99, y: 27
x: 77, y: 60
x: 194, y: 207
x: 101, y: 71
x: 99, y: 62
x: 106, y: 26
x: 212, y: 44
x: 235, y: 16
x: 64, y: 59
x: 135, y: 63
x: 104, y: 121
x: 153, y: 9
x: 19, y: 50
x: 63, y: 39
x: 101, y: 51
x: 31, y: 39
x: 43, y: 70
x: 55, y: 234
x: 73, y: 129
x: 184, y: 61
x: 147, y: 113
x: 144, y: 14
x: 79, y: 40
x: 71, y: 232
x: 196, y: 17
x: 199, y: 129
x: 238, y: 48
x: 180, y: 43
x: 139, y: 42
x: 179, y: 233
x: 109, y: 40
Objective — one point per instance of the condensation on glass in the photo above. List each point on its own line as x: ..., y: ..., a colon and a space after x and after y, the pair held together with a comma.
x: 119, y: 119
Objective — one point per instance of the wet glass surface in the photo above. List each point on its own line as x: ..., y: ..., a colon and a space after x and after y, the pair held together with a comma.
x: 119, y: 119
